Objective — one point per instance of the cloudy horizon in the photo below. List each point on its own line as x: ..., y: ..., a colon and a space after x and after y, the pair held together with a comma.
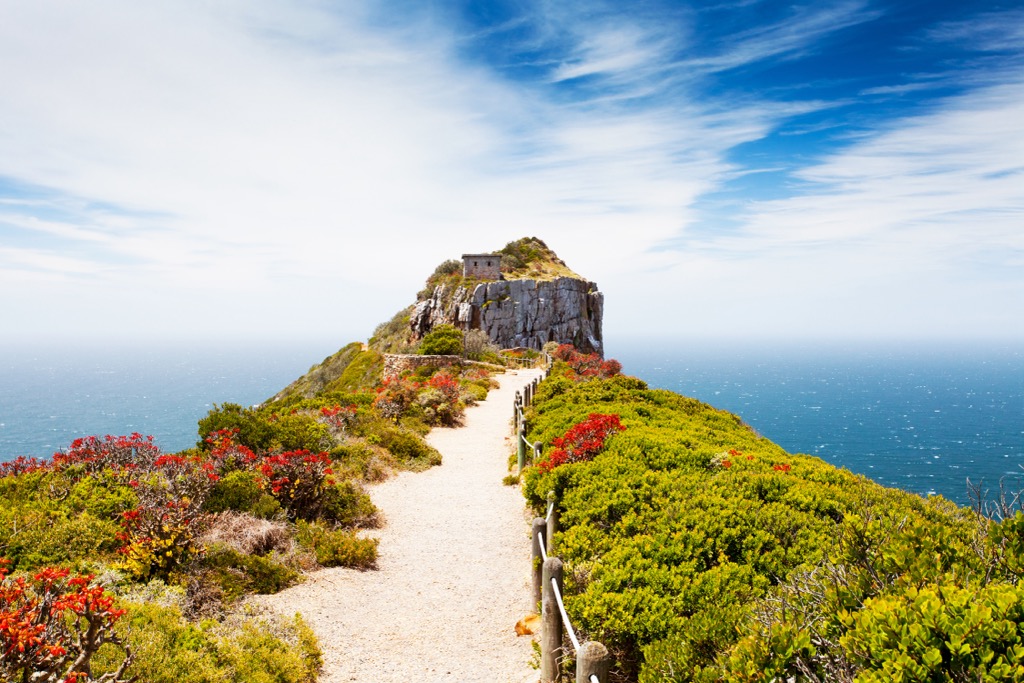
x: 266, y: 168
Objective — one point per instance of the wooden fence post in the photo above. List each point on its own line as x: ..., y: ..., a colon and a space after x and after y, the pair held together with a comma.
x: 551, y: 623
x: 552, y: 525
x: 516, y: 405
x: 592, y: 660
x: 538, y: 558
x: 537, y: 448
x: 521, y: 448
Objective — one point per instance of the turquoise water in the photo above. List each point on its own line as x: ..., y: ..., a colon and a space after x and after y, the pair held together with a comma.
x: 50, y: 396
x: 920, y: 418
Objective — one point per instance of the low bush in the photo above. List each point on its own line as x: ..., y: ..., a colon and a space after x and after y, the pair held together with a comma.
x: 239, y: 490
x: 237, y: 573
x: 443, y: 340
x: 337, y: 547
x: 170, y: 649
x: 697, y: 550
x: 346, y: 504
x: 472, y: 393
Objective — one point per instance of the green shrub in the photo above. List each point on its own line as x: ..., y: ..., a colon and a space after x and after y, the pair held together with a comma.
x: 253, y: 429
x: 103, y: 495
x: 443, y: 340
x: 407, y: 446
x: 698, y: 550
x: 169, y: 649
x: 347, y: 504
x: 337, y: 547
x: 237, y: 573
x: 239, y: 490
x: 300, y: 431
x: 32, y: 538
x: 266, y: 507
x: 473, y: 393
x: 939, y: 632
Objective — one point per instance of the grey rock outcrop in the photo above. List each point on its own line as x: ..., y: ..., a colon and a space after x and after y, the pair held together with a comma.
x: 519, y: 313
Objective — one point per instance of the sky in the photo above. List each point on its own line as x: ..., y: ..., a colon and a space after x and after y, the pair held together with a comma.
x: 283, y: 169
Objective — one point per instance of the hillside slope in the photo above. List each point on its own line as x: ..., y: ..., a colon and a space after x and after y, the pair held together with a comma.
x: 697, y: 550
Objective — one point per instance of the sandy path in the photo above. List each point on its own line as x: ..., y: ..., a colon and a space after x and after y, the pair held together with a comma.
x: 453, y: 571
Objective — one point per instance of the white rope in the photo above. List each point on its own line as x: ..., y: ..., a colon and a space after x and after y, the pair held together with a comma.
x: 551, y: 508
x: 594, y: 678
x: 565, y: 617
x: 540, y: 542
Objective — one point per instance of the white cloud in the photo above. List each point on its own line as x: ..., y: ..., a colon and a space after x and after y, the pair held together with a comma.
x: 914, y: 231
x: 282, y: 168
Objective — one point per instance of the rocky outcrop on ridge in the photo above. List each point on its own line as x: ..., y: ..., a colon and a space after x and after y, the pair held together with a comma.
x: 518, y: 313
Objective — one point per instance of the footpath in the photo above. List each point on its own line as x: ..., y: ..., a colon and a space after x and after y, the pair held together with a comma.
x: 453, y: 571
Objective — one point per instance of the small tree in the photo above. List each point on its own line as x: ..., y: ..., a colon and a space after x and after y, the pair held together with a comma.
x: 51, y: 625
x: 477, y: 344
x: 443, y: 340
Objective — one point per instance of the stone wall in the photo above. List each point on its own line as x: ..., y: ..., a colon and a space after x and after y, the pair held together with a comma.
x: 395, y: 364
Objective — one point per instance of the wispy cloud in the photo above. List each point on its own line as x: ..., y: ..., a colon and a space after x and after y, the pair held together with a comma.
x: 789, y: 38
x: 299, y: 164
x: 990, y: 32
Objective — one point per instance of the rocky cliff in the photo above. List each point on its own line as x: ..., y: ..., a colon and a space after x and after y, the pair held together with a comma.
x: 518, y: 313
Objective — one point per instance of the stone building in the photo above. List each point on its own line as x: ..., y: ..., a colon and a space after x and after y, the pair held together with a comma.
x: 482, y: 266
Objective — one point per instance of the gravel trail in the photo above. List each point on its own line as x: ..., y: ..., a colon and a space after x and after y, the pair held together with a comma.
x: 453, y: 571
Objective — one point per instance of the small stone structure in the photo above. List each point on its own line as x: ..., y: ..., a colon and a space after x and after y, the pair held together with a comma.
x: 397, y: 363
x: 482, y: 266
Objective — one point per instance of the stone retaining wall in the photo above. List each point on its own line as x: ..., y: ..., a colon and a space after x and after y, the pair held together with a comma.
x: 396, y: 364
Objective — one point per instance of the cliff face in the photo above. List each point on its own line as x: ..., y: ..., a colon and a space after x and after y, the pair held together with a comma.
x: 519, y: 313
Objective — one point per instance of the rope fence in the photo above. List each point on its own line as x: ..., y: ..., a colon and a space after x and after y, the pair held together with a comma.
x: 592, y: 658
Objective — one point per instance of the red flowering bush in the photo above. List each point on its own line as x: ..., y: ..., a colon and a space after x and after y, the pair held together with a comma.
x: 162, y: 533
x: 226, y: 453
x: 440, y: 400
x: 52, y: 625
x: 22, y: 465
x: 586, y: 364
x: 784, y: 468
x: 300, y: 480
x: 338, y: 417
x: 582, y: 442
x: 394, y: 396
x: 117, y: 453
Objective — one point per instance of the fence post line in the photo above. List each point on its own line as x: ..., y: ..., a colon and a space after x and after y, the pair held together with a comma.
x: 551, y: 623
x: 538, y: 558
x: 552, y: 525
x: 515, y: 408
x: 592, y: 660
x: 521, y: 448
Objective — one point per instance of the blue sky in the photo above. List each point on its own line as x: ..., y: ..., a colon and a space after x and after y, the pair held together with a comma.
x: 271, y: 169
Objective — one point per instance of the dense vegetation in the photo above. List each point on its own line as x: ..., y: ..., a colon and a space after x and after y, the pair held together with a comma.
x: 119, y: 560
x: 530, y: 258
x: 699, y: 551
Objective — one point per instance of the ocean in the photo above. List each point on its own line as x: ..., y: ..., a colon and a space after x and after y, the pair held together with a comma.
x: 922, y: 418
x: 50, y: 396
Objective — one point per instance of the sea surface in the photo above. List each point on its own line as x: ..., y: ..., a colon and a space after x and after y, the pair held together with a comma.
x: 50, y: 396
x: 922, y: 418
